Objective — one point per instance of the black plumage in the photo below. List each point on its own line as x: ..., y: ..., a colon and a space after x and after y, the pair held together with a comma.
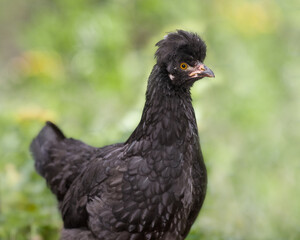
x: 153, y: 185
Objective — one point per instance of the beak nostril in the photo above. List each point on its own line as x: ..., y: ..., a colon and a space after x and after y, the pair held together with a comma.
x: 202, y: 69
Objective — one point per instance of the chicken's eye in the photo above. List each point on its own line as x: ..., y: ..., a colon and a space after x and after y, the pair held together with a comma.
x: 183, y: 66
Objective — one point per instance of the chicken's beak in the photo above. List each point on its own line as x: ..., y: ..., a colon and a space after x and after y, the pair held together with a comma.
x: 201, y: 71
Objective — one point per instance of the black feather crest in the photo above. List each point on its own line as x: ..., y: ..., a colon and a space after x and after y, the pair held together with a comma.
x: 180, y: 42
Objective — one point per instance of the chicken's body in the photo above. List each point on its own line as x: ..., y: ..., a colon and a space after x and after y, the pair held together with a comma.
x: 150, y: 187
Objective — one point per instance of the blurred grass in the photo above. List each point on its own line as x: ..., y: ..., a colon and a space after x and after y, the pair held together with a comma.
x: 84, y: 65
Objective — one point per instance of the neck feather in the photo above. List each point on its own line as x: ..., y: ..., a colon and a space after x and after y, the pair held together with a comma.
x: 168, y: 116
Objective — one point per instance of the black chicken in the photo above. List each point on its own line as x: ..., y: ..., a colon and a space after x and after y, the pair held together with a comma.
x: 153, y: 185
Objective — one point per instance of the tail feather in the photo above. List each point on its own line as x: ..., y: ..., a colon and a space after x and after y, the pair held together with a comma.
x: 40, y: 146
x: 59, y: 159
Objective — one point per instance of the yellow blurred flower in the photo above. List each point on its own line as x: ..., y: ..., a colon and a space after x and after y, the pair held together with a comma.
x: 251, y: 18
x: 35, y: 113
x: 40, y: 63
x: 12, y: 175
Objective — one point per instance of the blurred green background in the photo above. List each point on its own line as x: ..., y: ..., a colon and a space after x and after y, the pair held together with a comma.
x: 84, y: 65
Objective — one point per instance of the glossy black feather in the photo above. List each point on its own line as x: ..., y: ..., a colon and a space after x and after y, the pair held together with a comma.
x: 150, y: 187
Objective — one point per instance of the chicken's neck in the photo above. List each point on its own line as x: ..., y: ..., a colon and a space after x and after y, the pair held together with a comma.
x: 168, y: 116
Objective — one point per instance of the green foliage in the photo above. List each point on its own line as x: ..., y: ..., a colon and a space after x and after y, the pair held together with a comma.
x: 84, y: 65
